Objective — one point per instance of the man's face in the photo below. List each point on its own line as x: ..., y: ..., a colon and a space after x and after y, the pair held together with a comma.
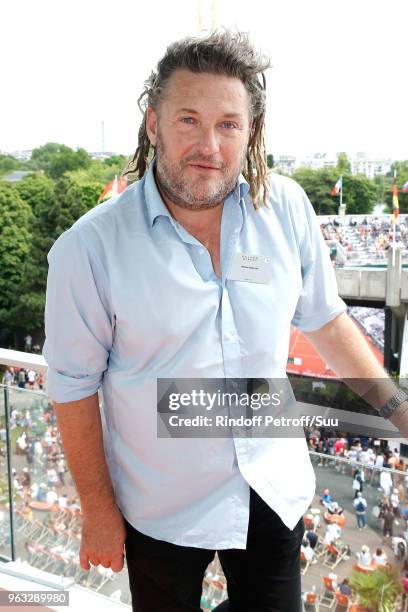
x: 201, y: 133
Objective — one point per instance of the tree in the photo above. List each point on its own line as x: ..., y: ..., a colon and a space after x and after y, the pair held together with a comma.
x: 15, y: 237
x: 8, y: 163
x: 38, y: 192
x: 343, y: 164
x: 270, y: 161
x: 97, y: 172
x: 51, y: 208
x: 68, y: 160
x: 377, y: 591
x: 318, y: 185
x: 116, y: 160
x: 74, y: 200
x: 401, y: 169
x: 359, y: 192
x: 41, y: 156
x: 56, y: 159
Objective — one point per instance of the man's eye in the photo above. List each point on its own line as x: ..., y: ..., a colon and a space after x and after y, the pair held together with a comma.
x: 229, y: 125
x: 187, y: 120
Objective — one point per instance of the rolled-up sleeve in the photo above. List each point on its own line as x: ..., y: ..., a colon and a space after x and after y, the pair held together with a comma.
x: 319, y: 301
x: 78, y: 324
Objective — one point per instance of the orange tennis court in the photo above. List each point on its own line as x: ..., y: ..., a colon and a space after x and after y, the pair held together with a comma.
x: 304, y: 359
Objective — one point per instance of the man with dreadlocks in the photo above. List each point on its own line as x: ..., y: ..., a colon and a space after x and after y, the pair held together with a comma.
x: 156, y: 284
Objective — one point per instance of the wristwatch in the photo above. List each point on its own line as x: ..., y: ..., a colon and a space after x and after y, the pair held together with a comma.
x: 397, y: 399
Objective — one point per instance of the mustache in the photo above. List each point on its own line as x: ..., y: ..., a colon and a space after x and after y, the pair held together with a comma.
x: 205, y: 160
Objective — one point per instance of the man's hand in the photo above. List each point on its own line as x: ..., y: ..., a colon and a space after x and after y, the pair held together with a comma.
x: 103, y: 539
x: 103, y: 526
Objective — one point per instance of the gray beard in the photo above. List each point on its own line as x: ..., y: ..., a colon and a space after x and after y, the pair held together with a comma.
x: 177, y: 190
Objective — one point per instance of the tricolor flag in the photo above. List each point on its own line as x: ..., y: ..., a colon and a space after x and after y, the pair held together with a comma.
x: 395, y: 203
x: 405, y: 187
x: 338, y: 186
x: 113, y: 189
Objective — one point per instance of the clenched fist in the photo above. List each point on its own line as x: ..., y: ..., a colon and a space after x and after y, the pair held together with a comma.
x: 103, y: 539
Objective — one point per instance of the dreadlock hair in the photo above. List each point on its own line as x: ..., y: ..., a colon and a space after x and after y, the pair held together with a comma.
x: 224, y: 53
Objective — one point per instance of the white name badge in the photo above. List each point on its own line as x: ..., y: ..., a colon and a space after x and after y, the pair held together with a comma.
x: 250, y: 268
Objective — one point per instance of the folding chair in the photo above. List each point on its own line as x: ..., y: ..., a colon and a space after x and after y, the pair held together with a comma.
x: 328, y: 597
x: 311, y: 603
x: 37, y: 555
x: 320, y: 548
x: 343, y: 601
x: 29, y: 527
x: 20, y: 521
x: 38, y: 531
x: 308, y: 521
x: 32, y: 553
x: 333, y: 556
x: 75, y: 519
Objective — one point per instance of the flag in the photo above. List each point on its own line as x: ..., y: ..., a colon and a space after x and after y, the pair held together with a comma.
x: 113, y: 189
x: 395, y: 203
x: 405, y: 187
x: 338, y: 186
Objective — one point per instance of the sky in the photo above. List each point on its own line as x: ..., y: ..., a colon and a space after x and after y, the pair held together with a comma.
x: 337, y: 83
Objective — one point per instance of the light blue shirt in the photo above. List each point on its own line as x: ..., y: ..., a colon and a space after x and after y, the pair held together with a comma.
x: 132, y: 296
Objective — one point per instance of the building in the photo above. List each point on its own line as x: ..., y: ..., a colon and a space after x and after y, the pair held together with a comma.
x: 362, y: 163
x: 285, y: 164
x: 317, y: 161
x: 101, y: 155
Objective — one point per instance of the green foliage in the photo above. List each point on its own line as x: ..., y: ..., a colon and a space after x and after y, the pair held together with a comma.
x: 8, y: 163
x: 38, y: 191
x: 270, y: 161
x: 116, y: 160
x: 402, y: 171
x: 34, y: 213
x: 343, y: 164
x: 56, y: 159
x: 402, y: 177
x: 380, y: 182
x: 74, y: 200
x: 15, y: 239
x: 68, y: 160
x: 378, y: 590
x: 318, y: 185
x: 359, y: 192
x: 98, y: 172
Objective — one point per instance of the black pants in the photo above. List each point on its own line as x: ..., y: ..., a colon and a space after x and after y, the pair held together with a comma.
x: 265, y: 577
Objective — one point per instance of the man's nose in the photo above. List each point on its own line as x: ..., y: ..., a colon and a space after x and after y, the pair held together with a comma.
x: 209, y: 140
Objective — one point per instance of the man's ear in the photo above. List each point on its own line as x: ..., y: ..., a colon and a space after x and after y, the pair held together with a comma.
x: 151, y: 125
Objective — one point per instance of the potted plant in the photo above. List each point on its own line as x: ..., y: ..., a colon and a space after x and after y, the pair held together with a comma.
x: 377, y: 591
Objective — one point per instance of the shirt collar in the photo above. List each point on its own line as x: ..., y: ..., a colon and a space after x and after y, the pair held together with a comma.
x: 156, y: 207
